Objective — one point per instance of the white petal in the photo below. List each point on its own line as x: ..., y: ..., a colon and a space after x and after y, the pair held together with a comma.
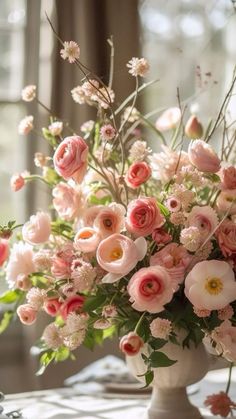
x: 111, y: 278
x: 141, y: 246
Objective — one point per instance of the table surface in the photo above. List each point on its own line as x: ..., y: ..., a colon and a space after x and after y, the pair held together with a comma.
x: 70, y: 403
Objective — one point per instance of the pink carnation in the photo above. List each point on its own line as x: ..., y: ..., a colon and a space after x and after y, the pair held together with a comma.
x: 150, y: 289
x: 70, y: 158
x: 143, y: 216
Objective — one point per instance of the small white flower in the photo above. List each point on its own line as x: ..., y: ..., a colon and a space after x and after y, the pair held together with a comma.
x: 28, y: 93
x: 131, y: 114
x: 87, y: 126
x: 190, y: 238
x: 56, y: 128
x: 78, y: 95
x: 70, y: 52
x: 139, y: 151
x: 26, y: 125
x: 36, y: 297
x: 138, y: 67
x: 161, y: 328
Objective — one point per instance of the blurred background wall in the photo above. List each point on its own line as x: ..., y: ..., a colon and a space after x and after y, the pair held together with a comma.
x: 190, y: 46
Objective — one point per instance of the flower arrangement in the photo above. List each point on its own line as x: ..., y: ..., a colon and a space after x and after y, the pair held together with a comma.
x: 139, y: 243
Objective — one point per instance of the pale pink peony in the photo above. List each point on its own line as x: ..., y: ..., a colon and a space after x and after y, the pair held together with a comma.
x: 228, y: 177
x: 150, y: 289
x: 131, y: 344
x: 52, y: 306
x: 175, y: 259
x: 110, y: 220
x: 138, y: 173
x: 4, y: 250
x: 26, y: 125
x: 210, y: 285
x: 168, y: 163
x: 20, y: 262
x: 26, y: 314
x: 68, y: 201
x: 161, y: 328
x: 169, y: 119
x: 226, y: 236
x: 70, y: 158
x: 38, y: 229
x: 72, y: 304
x: 204, y: 218
x: 17, y: 182
x: 61, y: 267
x: 193, y: 128
x: 70, y: 52
x: 138, y: 67
x: 220, y: 404
x: 203, y: 157
x: 119, y: 254
x: 87, y: 240
x: 160, y: 236
x: 226, y: 201
x: 143, y: 216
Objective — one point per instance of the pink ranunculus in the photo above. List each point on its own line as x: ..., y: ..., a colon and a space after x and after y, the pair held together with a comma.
x: 27, y: 314
x: 175, y: 259
x: 118, y: 254
x: 20, y: 262
x: 17, y: 182
x: 72, y: 304
x: 204, y: 218
x: 90, y: 214
x: 226, y: 201
x: 131, y: 344
x: 226, y: 236
x: 4, y: 250
x: 143, y: 216
x: 169, y: 119
x: 210, y: 285
x: 68, y: 201
x: 160, y: 236
x: 87, y: 240
x: 70, y: 158
x: 52, y: 306
x: 203, y: 157
x: 110, y: 220
x: 38, y: 229
x: 138, y: 173
x: 61, y: 267
x: 228, y: 177
x: 150, y: 289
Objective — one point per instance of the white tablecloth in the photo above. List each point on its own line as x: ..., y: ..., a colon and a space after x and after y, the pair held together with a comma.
x: 68, y: 403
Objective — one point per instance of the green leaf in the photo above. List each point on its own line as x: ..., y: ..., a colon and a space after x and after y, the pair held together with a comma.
x: 109, y: 333
x: 159, y: 359
x: 157, y: 343
x: 45, y: 360
x: 6, y: 320
x: 62, y: 354
x: 93, y: 303
x: 148, y: 378
x: 10, y: 297
x: 99, y: 201
x: 163, y: 209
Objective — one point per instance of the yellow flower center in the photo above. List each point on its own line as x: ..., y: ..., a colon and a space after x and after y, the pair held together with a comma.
x: 116, y: 253
x: 214, y: 286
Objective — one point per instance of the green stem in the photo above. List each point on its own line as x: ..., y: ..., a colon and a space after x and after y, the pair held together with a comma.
x: 34, y: 177
x: 139, y: 323
x: 229, y: 377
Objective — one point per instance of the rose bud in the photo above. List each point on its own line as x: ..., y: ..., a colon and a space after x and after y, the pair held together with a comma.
x: 17, y: 182
x: 203, y: 157
x: 193, y: 128
x: 4, y: 251
x: 52, y: 306
x: 131, y: 344
x: 27, y: 314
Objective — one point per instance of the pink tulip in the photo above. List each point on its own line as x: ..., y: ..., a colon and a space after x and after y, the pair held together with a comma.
x: 70, y: 158
x: 193, y: 128
x: 27, y: 314
x: 203, y: 157
x: 131, y: 344
x: 143, y: 216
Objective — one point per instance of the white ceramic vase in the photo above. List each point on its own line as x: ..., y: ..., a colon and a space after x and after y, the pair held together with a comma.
x: 169, y: 396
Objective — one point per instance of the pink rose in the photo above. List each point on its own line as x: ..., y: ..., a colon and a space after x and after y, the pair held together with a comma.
x: 23, y: 282
x: 119, y: 254
x: 52, y: 306
x: 131, y: 344
x: 4, y: 251
x: 228, y: 177
x: 150, y: 289
x: 61, y: 267
x: 70, y: 158
x: 87, y: 240
x: 175, y: 259
x: 67, y: 201
x: 72, y: 304
x: 226, y: 201
x: 38, y: 229
x: 203, y: 157
x: 27, y: 314
x: 226, y: 235
x: 143, y: 216
x: 204, y: 219
x: 110, y: 220
x: 138, y: 173
x: 17, y: 182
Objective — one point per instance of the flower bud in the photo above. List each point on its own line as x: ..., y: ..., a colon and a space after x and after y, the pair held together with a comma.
x: 203, y: 157
x: 131, y: 344
x: 193, y: 128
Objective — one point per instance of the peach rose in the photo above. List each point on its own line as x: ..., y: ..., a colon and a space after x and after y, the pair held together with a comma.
x: 150, y: 289
x: 38, y: 229
x: 70, y: 158
x: 138, y: 173
x: 4, y: 251
x: 87, y: 240
x: 203, y: 157
x: 226, y: 201
x: 68, y: 201
x: 110, y: 220
x: 72, y: 304
x: 210, y: 285
x: 143, y: 216
x: 52, y: 306
x: 119, y: 254
x: 228, y: 177
x: 17, y: 182
x: 226, y: 235
x: 131, y: 344
x: 175, y: 259
x: 27, y: 314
